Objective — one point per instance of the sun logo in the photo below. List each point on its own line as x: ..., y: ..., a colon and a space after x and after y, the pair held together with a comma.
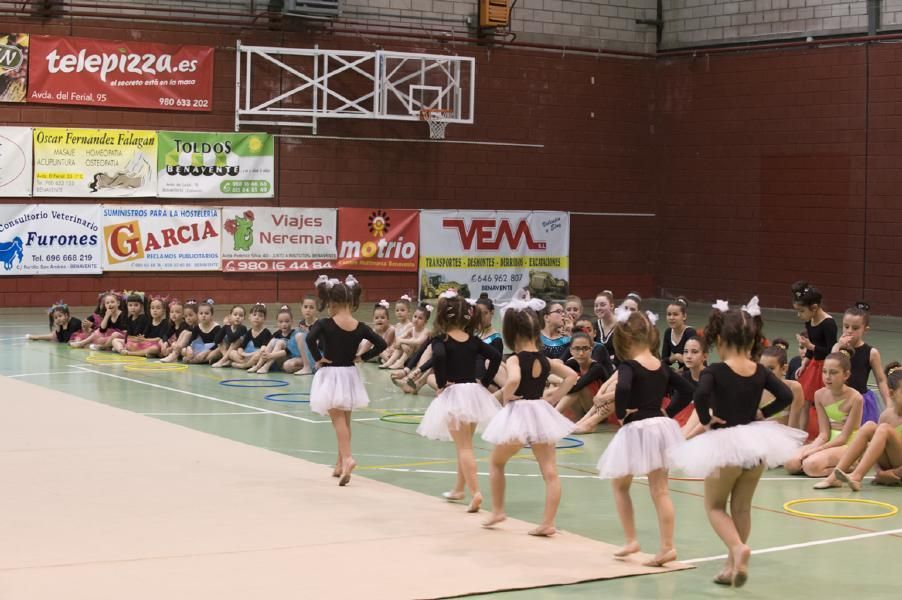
x: 255, y: 145
x: 379, y: 223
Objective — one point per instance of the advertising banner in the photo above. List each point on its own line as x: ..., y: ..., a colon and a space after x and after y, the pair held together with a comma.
x: 50, y: 239
x: 73, y: 70
x: 371, y: 239
x: 215, y: 165
x: 13, y: 67
x: 494, y: 252
x: 105, y: 163
x: 15, y: 161
x: 278, y: 239
x: 161, y: 238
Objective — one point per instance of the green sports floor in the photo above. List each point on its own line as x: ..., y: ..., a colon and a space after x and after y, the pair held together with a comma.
x: 794, y: 556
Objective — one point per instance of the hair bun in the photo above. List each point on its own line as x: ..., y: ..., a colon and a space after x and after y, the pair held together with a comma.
x: 862, y: 305
x: 284, y: 307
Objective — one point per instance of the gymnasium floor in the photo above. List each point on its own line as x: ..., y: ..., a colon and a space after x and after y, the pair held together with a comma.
x: 796, y: 555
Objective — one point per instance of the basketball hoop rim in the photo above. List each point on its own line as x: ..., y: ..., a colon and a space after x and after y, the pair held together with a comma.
x: 429, y: 114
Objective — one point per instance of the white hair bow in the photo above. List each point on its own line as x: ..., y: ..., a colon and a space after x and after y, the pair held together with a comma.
x: 535, y: 304
x: 330, y: 283
x: 383, y: 303
x: 652, y: 317
x: 351, y: 281
x: 321, y: 280
x: 471, y: 302
x: 449, y: 293
x: 622, y: 313
x: 752, y: 309
x: 721, y: 305
x: 406, y: 297
x: 429, y: 308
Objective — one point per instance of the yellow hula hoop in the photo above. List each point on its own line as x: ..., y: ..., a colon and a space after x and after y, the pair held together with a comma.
x: 157, y: 367
x: 113, y: 359
x: 891, y: 509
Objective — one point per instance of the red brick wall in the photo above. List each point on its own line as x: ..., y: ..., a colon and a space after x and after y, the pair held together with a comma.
x: 768, y: 160
x: 597, y: 158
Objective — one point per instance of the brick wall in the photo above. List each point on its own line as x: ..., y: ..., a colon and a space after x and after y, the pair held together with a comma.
x: 591, y: 114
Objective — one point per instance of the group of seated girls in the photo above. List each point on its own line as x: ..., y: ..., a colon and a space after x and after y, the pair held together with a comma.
x: 135, y: 324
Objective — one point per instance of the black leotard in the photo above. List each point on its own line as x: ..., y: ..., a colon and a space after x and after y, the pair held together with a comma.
x: 72, y: 327
x: 861, y: 369
x: 532, y: 388
x: 340, y: 346
x: 680, y: 400
x: 738, y: 397
x: 136, y: 326
x: 160, y: 331
x: 644, y: 390
x: 823, y: 336
x: 207, y: 337
x: 596, y: 372
x: 455, y: 362
x: 230, y: 334
x: 260, y: 340
x: 668, y: 347
x: 120, y: 323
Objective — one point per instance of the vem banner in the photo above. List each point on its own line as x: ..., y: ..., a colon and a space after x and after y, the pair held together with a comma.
x: 50, y: 239
x: 494, y: 252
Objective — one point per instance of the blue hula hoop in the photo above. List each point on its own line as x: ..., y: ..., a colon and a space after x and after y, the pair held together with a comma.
x: 573, y: 443
x: 279, y: 397
x: 253, y: 383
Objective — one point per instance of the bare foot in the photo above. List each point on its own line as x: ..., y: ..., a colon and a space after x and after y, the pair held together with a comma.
x: 543, y: 531
x: 262, y: 370
x: 630, y: 547
x: 216, y: 365
x: 475, y: 503
x: 346, y: 469
x: 662, y: 558
x: 400, y: 374
x: 304, y: 371
x: 829, y: 482
x: 725, y: 577
x: 494, y: 519
x: 846, y: 478
x: 886, y: 478
x: 741, y: 573
x: 407, y: 387
x: 252, y: 370
x: 453, y: 495
x: 336, y: 472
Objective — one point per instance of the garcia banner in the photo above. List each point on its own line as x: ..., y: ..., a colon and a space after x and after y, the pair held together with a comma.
x: 161, y: 238
x: 13, y: 67
x: 50, y: 239
x: 216, y: 165
x: 494, y: 252
x: 372, y: 239
x: 73, y: 70
x: 278, y: 239
x: 95, y: 162
x: 15, y: 161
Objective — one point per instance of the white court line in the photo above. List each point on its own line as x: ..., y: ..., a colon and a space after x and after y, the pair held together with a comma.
x: 206, y: 414
x: 310, y: 451
x: 196, y: 395
x: 49, y: 373
x: 15, y: 326
x: 18, y: 337
x: 848, y: 538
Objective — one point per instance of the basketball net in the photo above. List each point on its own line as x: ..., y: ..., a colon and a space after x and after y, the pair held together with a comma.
x: 435, y: 119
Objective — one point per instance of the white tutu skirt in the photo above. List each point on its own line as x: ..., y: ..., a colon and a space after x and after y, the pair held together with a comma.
x: 745, y: 446
x: 640, y: 447
x: 457, y: 404
x: 337, y: 387
x: 528, y: 422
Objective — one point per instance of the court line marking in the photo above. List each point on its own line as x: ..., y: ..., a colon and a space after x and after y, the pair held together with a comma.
x: 48, y: 373
x: 206, y: 414
x: 203, y: 396
x: 847, y: 538
x: 18, y: 337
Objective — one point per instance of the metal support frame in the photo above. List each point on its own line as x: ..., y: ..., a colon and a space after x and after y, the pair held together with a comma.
x: 344, y: 84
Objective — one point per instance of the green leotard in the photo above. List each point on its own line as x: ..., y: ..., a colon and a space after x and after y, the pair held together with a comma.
x: 837, y: 416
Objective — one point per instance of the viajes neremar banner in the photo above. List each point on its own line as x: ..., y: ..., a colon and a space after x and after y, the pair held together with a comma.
x: 50, y: 239
x: 73, y: 70
x: 15, y: 161
x: 106, y: 163
x: 494, y: 252
x: 13, y: 67
x: 215, y: 165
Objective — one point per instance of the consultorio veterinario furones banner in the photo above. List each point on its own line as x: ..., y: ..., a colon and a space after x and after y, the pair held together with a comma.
x: 50, y: 239
x: 494, y: 252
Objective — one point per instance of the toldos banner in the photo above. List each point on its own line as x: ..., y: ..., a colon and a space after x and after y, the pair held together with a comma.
x: 378, y: 239
x: 494, y: 252
x: 73, y: 70
x: 278, y: 239
x: 50, y: 239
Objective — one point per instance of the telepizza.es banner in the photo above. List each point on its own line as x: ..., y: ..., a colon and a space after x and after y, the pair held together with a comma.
x: 216, y: 165
x: 50, y: 239
x: 371, y: 239
x: 15, y: 161
x: 73, y: 70
x: 278, y: 239
x: 95, y: 162
x: 161, y: 238
x: 13, y: 67
x: 494, y: 252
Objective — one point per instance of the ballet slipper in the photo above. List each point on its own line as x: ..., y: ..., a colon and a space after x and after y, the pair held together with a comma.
x: 846, y: 478
x: 494, y: 520
x: 399, y: 374
x: 543, y: 531
x: 724, y: 578
x: 336, y: 472
x: 627, y: 549
x: 741, y: 573
x: 827, y: 483
x: 453, y: 496
x: 886, y: 478
x: 408, y: 387
x: 661, y: 558
x: 475, y: 503
x: 347, y: 467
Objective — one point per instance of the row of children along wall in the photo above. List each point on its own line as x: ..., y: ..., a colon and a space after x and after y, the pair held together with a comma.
x: 568, y: 373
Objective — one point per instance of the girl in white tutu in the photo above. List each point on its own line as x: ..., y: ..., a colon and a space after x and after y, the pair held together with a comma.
x: 527, y: 418
x: 641, y: 445
x: 461, y: 404
x: 337, y: 388
x: 736, y: 448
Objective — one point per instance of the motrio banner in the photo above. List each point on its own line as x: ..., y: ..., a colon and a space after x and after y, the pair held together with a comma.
x: 161, y: 238
x: 50, y: 239
x: 73, y: 70
x: 266, y: 239
x: 378, y: 239
x: 494, y: 252
x: 216, y: 165
x: 13, y: 67
x: 15, y: 161
x: 104, y: 163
